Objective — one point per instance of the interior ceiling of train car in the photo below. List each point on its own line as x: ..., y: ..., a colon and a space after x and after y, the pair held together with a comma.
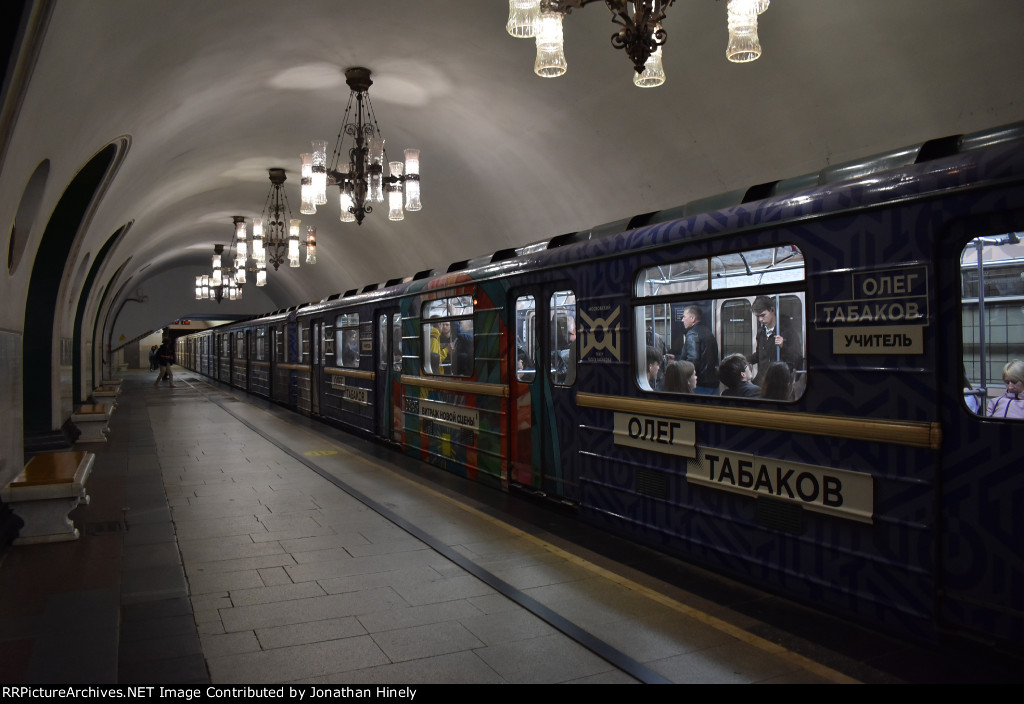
x: 213, y: 94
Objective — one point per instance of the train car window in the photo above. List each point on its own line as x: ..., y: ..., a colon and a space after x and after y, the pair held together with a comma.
x: 757, y: 332
x: 447, y: 334
x: 673, y: 279
x: 396, y: 342
x: 526, y: 338
x: 347, y: 335
x: 240, y: 340
x: 261, y: 344
x: 382, y: 342
x: 992, y: 309
x: 737, y: 327
x: 303, y: 344
x: 563, y: 338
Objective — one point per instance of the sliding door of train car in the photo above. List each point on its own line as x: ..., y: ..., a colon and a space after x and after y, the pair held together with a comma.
x: 542, y: 446
x: 388, y: 368
x: 283, y: 367
x: 316, y: 365
x: 982, y: 538
x: 240, y: 365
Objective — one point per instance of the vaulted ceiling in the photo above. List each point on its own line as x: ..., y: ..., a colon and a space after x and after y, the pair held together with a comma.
x: 212, y: 94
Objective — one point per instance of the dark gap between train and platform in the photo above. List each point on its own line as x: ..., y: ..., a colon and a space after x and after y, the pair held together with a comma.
x: 589, y: 641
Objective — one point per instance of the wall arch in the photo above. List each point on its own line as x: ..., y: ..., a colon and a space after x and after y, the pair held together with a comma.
x: 48, y: 271
x: 28, y: 210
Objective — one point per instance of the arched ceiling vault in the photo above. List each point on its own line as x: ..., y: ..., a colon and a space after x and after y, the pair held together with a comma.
x: 213, y: 94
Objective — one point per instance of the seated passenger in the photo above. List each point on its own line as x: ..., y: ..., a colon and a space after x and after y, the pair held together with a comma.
x: 680, y: 377
x: 653, y: 367
x: 734, y: 372
x: 1010, y: 404
x: 778, y: 382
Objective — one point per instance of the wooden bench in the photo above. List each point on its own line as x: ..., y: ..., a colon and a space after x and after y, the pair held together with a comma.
x: 93, y: 419
x: 46, y: 491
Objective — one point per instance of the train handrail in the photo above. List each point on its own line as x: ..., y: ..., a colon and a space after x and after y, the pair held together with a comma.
x: 465, y: 387
x: 354, y: 373
x: 297, y: 367
x: 895, y: 432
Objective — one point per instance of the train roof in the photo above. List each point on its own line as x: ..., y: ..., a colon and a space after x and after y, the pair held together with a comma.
x: 779, y: 194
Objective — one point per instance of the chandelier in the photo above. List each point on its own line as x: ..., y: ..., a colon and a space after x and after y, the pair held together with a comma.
x: 275, y: 234
x: 641, y: 35
x: 359, y: 173
x: 223, y: 283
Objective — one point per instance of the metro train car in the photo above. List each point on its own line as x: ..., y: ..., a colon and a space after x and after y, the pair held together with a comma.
x: 875, y: 485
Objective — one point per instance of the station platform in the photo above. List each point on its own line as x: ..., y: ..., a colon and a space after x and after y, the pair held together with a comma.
x: 230, y: 541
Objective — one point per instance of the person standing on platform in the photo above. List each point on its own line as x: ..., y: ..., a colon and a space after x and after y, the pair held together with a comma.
x: 165, y: 356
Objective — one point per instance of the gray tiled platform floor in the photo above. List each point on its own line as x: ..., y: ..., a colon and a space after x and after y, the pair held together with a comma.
x: 212, y: 553
x: 293, y: 580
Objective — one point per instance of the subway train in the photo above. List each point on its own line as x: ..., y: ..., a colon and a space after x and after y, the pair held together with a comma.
x: 876, y: 485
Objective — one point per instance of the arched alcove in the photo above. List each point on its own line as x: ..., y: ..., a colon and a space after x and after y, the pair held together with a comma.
x: 24, y: 219
x: 47, y: 274
x: 79, y: 366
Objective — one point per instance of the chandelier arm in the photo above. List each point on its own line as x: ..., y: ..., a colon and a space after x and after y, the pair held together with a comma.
x: 641, y: 33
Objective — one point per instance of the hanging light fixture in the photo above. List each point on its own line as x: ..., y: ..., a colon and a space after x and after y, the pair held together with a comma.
x: 641, y: 35
x: 222, y: 283
x: 744, y: 45
x: 359, y: 172
x: 275, y: 234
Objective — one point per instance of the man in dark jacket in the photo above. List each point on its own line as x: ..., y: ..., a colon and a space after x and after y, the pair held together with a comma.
x: 165, y: 357
x: 701, y: 349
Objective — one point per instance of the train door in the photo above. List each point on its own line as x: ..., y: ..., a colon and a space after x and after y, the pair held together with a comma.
x: 388, y: 368
x: 981, y: 483
x: 542, y: 447
x: 316, y: 365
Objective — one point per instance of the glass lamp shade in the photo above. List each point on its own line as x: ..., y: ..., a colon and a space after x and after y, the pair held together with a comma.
x: 412, y: 184
x: 259, y: 253
x: 550, y: 61
x: 375, y: 182
x: 199, y: 287
x: 395, y: 192
x: 261, y: 277
x: 240, y: 233
x: 744, y: 45
x: 240, y: 275
x: 257, y: 228
x: 319, y: 171
x: 293, y: 243
x: 306, y: 190
x: 311, y: 244
x: 395, y: 211
x: 345, y: 206
x: 654, y: 72
x: 412, y: 196
x: 523, y: 16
